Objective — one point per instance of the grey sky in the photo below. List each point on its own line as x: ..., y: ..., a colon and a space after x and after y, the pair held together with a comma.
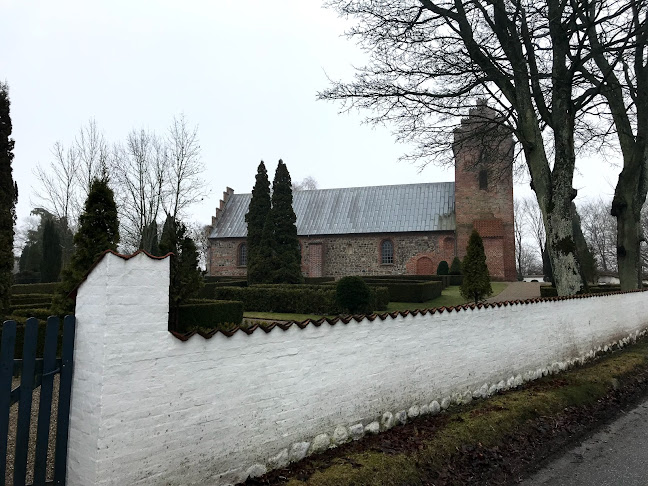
x: 246, y: 73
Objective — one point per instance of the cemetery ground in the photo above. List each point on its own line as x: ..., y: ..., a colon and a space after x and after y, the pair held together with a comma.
x: 494, y: 441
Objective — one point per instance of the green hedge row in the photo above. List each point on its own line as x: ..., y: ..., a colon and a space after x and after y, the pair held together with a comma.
x: 20, y: 338
x: 35, y: 288
x: 297, y: 299
x: 21, y: 299
x: 37, y: 312
x: 223, y: 278
x: 207, y: 290
x: 549, y: 291
x: 209, y: 314
x: 31, y: 305
x: 413, y: 291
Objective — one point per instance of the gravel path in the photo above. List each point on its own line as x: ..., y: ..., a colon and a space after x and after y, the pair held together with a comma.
x: 11, y: 444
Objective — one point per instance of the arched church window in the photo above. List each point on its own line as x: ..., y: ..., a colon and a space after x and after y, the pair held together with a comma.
x: 242, y: 255
x: 386, y: 252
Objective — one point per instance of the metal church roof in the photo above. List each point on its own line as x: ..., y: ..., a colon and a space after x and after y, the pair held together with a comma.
x: 377, y: 209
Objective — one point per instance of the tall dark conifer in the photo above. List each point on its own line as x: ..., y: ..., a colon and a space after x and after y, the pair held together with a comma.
x: 286, y: 261
x: 476, y: 278
x: 185, y: 278
x: 8, y: 199
x: 257, y: 257
x: 51, y: 257
x: 98, y: 231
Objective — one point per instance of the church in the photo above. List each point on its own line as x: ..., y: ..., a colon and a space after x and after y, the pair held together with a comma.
x: 395, y: 229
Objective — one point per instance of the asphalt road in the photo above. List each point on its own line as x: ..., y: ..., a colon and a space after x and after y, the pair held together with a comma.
x: 616, y: 455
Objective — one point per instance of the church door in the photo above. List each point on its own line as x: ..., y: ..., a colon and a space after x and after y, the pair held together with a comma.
x: 424, y: 266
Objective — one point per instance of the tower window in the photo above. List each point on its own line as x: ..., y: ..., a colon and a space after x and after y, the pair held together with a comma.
x: 483, y: 180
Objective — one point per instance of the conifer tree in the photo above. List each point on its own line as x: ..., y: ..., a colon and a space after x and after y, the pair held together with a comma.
x: 98, y: 231
x: 286, y: 261
x: 258, y: 265
x: 185, y: 278
x: 8, y: 199
x: 476, y: 279
x: 455, y: 267
x: 51, y: 258
x: 442, y: 268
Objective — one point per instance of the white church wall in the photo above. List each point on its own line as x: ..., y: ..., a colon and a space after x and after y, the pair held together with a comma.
x: 148, y: 408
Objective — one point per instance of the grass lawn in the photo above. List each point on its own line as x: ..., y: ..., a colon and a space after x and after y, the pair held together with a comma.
x: 449, y: 297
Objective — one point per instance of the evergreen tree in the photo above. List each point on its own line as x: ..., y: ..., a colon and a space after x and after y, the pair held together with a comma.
x: 476, y: 279
x: 51, y: 258
x: 149, y: 241
x: 286, y: 261
x: 455, y: 267
x: 8, y: 199
x: 443, y: 268
x: 98, y: 232
x: 185, y: 279
x: 258, y: 266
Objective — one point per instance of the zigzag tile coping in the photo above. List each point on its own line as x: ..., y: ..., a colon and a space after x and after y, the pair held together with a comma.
x: 345, y: 319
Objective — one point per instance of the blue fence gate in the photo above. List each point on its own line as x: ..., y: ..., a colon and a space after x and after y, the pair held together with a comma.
x: 35, y: 372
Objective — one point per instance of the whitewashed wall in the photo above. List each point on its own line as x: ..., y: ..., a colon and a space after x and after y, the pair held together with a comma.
x: 148, y: 408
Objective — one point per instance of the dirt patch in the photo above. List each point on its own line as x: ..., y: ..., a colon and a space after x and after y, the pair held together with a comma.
x: 491, y: 442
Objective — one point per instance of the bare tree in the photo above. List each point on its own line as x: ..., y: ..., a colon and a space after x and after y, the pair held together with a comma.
x: 184, y: 168
x: 599, y: 229
x: 431, y: 61
x: 308, y: 183
x: 59, y: 189
x: 535, y: 224
x: 93, y: 153
x: 139, y: 168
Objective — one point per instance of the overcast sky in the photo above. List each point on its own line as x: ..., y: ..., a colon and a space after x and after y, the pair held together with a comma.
x: 246, y: 73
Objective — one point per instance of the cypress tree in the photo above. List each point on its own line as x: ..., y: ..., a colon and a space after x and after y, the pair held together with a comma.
x: 98, y: 231
x: 455, y: 267
x: 287, y: 261
x: 8, y: 199
x: 51, y: 258
x: 476, y: 279
x: 442, y: 268
x: 185, y: 278
x: 258, y: 266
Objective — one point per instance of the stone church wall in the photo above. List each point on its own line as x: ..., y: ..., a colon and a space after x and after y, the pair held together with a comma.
x: 350, y: 254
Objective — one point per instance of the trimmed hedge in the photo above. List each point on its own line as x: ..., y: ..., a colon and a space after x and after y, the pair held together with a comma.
x: 37, y: 312
x: 32, y: 305
x: 294, y: 299
x: 318, y: 280
x: 35, y: 288
x: 223, y: 278
x: 207, y: 290
x: 20, y: 338
x: 209, y: 314
x: 21, y: 299
x: 414, y: 292
x: 444, y: 279
x: 455, y: 279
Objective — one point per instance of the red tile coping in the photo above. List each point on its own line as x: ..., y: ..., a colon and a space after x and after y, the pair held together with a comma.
x: 345, y: 319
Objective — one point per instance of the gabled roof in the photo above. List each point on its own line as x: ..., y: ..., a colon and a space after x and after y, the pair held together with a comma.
x: 377, y: 209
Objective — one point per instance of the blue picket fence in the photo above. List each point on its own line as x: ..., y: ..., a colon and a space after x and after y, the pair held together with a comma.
x: 36, y: 372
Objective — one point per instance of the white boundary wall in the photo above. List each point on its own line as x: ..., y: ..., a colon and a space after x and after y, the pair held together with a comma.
x: 148, y: 408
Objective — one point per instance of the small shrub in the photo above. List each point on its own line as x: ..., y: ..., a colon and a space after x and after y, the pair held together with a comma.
x: 455, y: 267
x: 353, y: 295
x: 443, y: 268
x: 209, y: 314
x: 476, y: 283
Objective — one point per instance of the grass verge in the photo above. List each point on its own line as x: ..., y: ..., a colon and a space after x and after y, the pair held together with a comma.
x: 419, y: 453
x: 451, y: 296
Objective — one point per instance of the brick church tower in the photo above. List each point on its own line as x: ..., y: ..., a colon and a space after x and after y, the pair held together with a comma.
x: 483, y: 151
